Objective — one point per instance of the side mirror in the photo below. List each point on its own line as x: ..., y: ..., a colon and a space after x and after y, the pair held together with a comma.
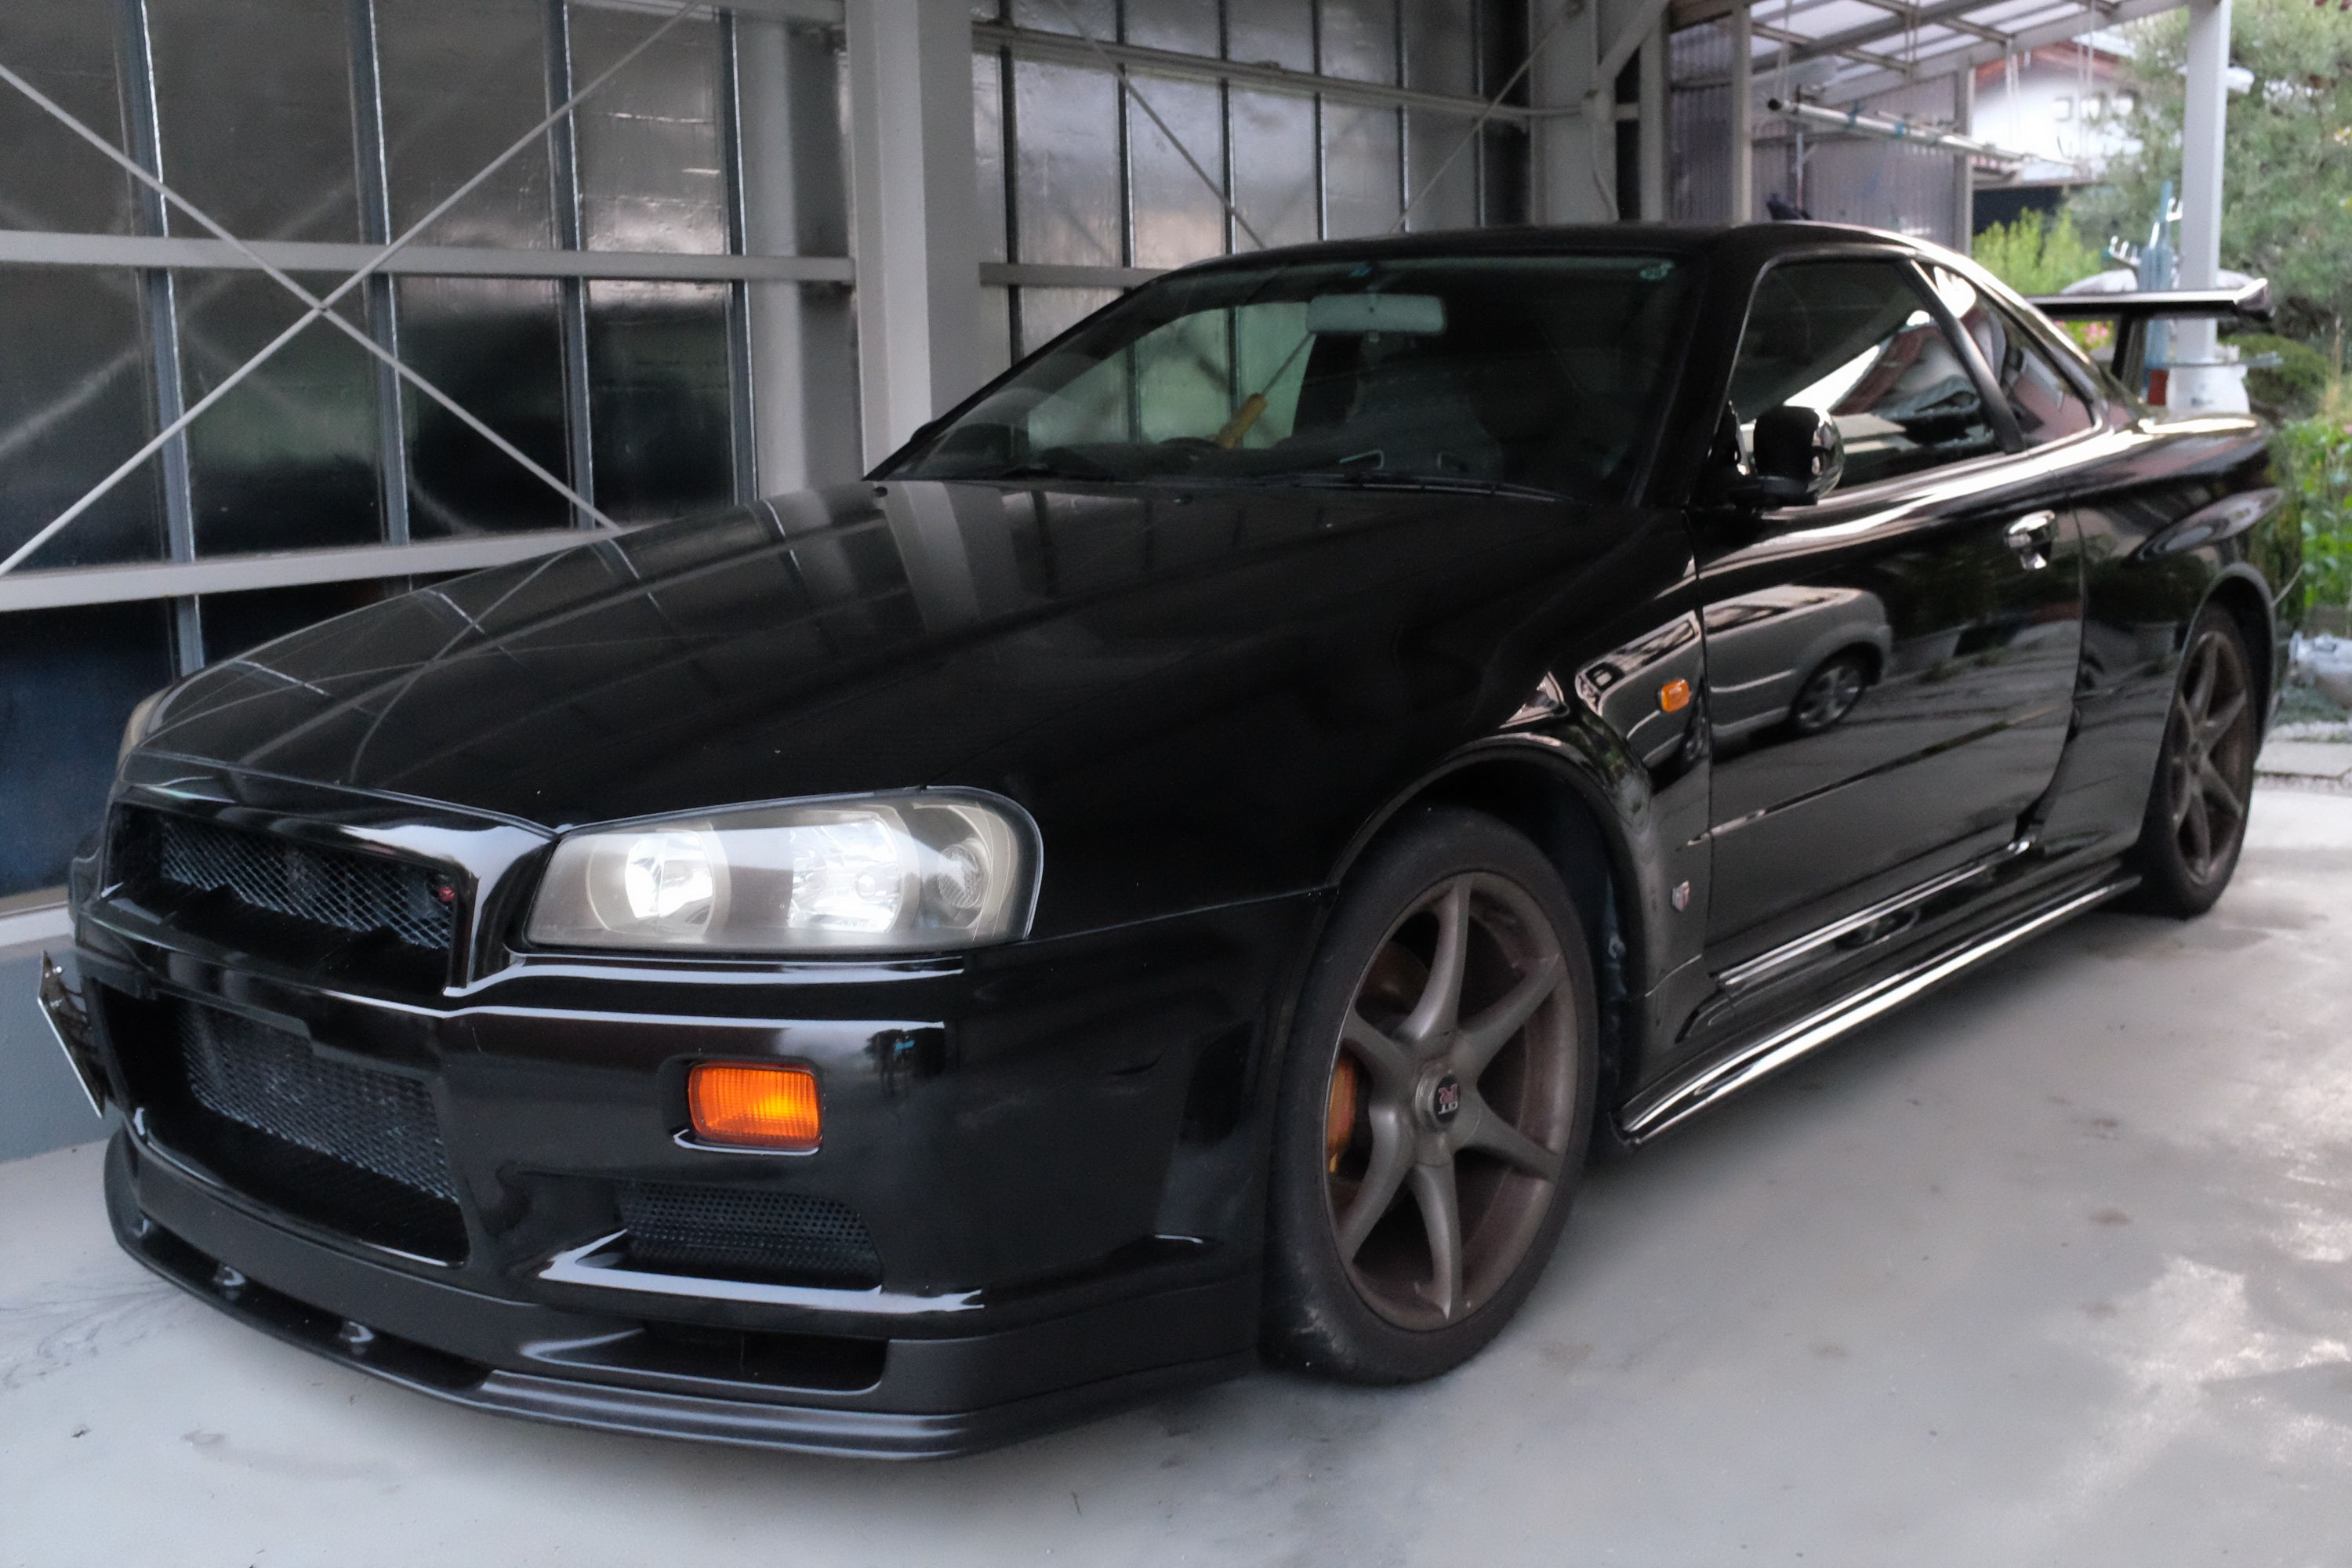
x: 1798, y: 458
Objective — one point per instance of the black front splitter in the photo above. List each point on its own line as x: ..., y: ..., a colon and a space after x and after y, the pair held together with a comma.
x: 246, y: 1268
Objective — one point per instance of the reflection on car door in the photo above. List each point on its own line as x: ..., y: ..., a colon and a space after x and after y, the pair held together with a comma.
x: 1890, y: 672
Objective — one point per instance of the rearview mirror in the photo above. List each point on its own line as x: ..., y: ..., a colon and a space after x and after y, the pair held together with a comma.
x: 1797, y: 457
x: 1360, y: 315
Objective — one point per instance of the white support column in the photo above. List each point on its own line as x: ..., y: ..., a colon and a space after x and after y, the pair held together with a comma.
x: 1739, y: 182
x: 918, y: 244
x: 2203, y: 127
x: 1575, y: 154
x: 1651, y: 148
x: 771, y: 227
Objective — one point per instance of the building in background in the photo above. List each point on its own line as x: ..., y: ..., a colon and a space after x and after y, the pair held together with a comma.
x: 2065, y: 105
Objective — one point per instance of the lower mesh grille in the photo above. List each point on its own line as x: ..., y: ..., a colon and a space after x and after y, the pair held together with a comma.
x: 272, y: 1081
x: 742, y: 1231
x: 346, y: 1146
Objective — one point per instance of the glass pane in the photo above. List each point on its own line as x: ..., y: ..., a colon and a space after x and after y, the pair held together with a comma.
x: 1503, y: 170
x: 1438, y: 149
x: 1855, y: 340
x: 1528, y: 370
x: 1441, y: 47
x: 287, y: 459
x: 657, y: 398
x: 493, y: 344
x: 236, y: 624
x: 54, y: 180
x: 1178, y: 219
x: 1099, y: 19
x: 1066, y: 181
x: 68, y: 680
x: 254, y: 99
x: 988, y: 149
x: 1187, y: 26
x: 995, y: 331
x: 1273, y: 167
x: 1502, y: 32
x: 1048, y: 313
x: 77, y: 403
x: 650, y: 177
x: 2045, y: 406
x: 1361, y: 175
x: 1359, y: 39
x: 1271, y: 32
x: 459, y: 85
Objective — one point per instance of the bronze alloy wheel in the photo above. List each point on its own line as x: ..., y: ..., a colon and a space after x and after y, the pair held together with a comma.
x: 2208, y: 771
x: 1453, y: 1089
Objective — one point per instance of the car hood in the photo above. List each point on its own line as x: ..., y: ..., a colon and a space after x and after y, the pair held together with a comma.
x: 1089, y: 652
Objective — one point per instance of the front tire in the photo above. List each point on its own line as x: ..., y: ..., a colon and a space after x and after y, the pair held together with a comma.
x: 1829, y: 693
x: 2196, y: 821
x: 1435, y: 1105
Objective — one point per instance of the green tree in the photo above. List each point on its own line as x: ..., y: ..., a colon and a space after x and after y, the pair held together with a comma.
x: 2034, y: 255
x: 2287, y: 203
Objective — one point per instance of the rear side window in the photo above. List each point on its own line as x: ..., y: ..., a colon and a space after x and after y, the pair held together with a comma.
x: 1857, y: 339
x: 2044, y: 402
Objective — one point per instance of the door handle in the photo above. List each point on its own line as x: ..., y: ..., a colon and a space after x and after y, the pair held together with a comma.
x: 2033, y: 536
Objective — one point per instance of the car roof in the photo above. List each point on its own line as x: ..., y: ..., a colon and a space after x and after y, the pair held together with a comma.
x: 1755, y: 240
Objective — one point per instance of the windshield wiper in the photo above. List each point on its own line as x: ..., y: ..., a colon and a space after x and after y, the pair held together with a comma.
x: 1396, y: 479
x: 1092, y: 474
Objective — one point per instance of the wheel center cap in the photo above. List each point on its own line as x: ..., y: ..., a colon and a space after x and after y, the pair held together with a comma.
x: 1444, y: 1099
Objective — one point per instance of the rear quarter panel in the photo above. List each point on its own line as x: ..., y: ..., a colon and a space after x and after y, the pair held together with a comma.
x: 2181, y: 510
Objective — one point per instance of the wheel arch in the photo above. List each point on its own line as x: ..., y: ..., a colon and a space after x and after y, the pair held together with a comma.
x: 2240, y: 590
x: 1562, y: 801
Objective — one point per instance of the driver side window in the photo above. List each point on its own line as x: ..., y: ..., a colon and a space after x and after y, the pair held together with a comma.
x: 1854, y: 338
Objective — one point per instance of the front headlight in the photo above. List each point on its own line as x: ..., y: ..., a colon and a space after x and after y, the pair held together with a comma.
x: 916, y: 873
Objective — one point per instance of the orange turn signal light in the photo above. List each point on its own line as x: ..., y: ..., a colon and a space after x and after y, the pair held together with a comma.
x: 753, y: 1107
x: 1674, y: 696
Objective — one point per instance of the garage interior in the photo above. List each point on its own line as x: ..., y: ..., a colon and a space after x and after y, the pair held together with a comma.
x: 2051, y: 1267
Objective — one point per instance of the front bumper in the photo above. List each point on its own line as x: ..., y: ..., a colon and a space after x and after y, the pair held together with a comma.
x: 930, y: 1397
x: 1056, y: 1148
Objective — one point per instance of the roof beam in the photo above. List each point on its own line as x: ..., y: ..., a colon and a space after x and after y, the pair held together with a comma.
x: 2092, y: 17
x: 1796, y: 40
x: 1956, y: 24
x: 1943, y: 12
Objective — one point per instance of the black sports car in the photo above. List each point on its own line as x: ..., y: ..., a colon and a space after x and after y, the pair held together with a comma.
x: 1181, y: 863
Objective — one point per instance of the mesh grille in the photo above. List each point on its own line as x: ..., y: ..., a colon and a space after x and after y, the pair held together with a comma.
x: 273, y: 1082
x: 747, y: 1231
x: 358, y: 893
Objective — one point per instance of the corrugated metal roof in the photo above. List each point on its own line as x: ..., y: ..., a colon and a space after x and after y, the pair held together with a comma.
x: 1839, y: 50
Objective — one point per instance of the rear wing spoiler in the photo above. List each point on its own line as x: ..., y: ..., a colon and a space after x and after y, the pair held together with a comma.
x: 2131, y: 313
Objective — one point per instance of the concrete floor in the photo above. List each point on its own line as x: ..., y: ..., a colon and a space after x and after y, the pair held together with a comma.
x: 2055, y: 1268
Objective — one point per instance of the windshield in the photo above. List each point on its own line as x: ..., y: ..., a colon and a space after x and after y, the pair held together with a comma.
x: 1540, y: 372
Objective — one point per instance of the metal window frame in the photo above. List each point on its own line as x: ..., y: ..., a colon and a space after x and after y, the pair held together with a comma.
x: 1004, y: 45
x: 157, y: 255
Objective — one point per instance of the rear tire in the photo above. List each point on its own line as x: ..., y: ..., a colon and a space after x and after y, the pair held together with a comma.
x: 2197, y: 805
x: 1435, y: 1104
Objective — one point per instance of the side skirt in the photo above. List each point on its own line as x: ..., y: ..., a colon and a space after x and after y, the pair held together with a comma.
x: 1725, y: 1076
